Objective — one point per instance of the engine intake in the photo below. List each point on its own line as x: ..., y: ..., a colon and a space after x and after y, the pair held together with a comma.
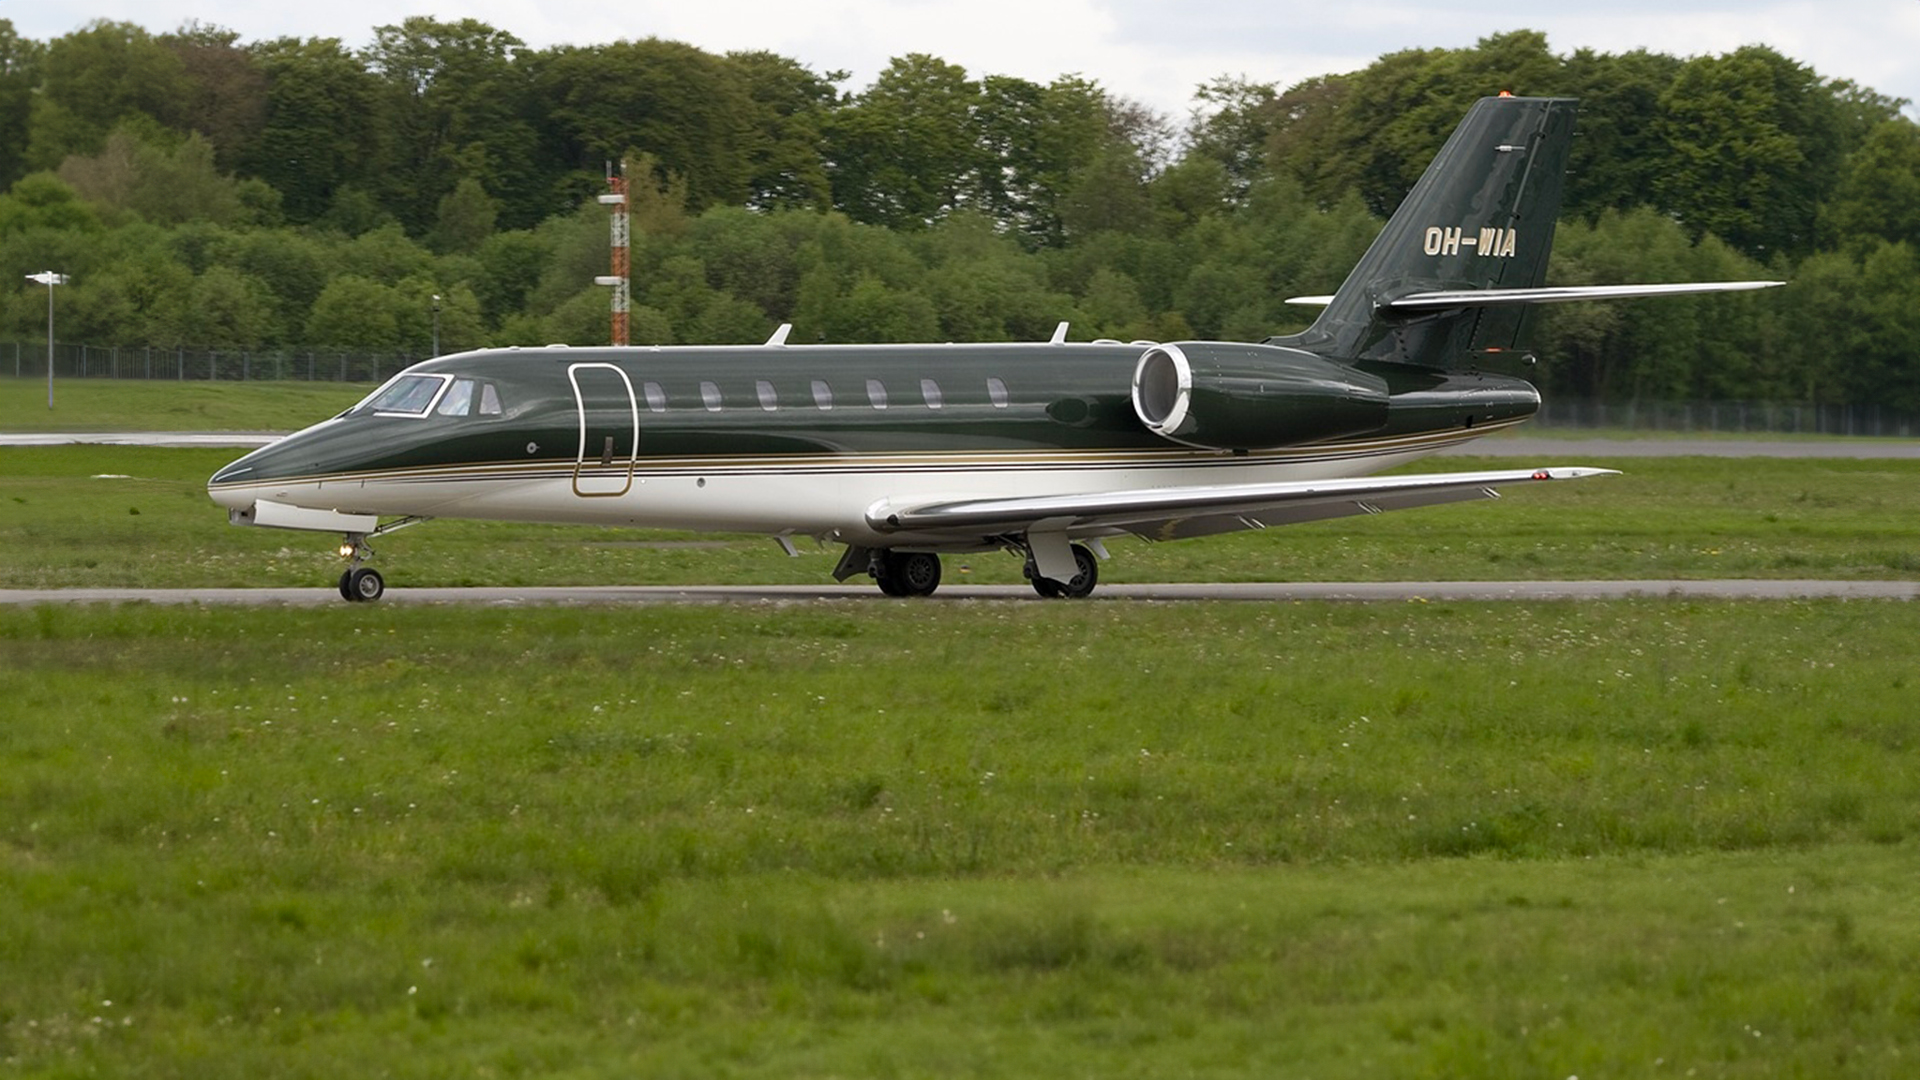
x: 1224, y: 396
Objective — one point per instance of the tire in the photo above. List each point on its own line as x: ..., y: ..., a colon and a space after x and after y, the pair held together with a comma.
x: 908, y: 573
x: 365, y: 585
x: 918, y: 572
x: 1080, y: 587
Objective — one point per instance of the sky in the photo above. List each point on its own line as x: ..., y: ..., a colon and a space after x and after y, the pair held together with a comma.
x: 1150, y: 51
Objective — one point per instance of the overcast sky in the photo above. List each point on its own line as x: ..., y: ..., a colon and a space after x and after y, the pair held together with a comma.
x: 1153, y: 52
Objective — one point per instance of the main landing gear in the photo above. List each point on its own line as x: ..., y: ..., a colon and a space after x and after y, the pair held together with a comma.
x: 917, y: 573
x: 906, y: 573
x: 1079, y: 587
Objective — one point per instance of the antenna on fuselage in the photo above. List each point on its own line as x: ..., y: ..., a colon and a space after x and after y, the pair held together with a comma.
x: 616, y: 200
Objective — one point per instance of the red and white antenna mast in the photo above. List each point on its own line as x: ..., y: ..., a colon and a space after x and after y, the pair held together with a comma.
x: 616, y: 200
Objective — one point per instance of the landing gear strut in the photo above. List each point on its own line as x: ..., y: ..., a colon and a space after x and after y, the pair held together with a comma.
x: 360, y: 583
x: 1079, y: 587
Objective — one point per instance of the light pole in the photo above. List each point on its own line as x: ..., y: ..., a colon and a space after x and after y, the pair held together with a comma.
x: 436, y: 324
x: 49, y: 279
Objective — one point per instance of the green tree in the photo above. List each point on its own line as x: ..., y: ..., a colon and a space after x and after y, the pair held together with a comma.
x: 291, y: 264
x: 1232, y: 128
x: 387, y: 255
x: 511, y: 264
x: 465, y: 219
x: 1878, y: 195
x: 229, y: 309
x: 225, y: 99
x: 163, y: 184
x: 1108, y: 192
x: 460, y: 105
x: 790, y: 105
x: 1033, y: 142
x: 985, y: 287
x: 689, y: 110
x: 354, y: 312
x: 1619, y: 154
x: 323, y: 126
x: 94, y: 78
x: 19, y: 74
x: 1754, y: 143
x: 44, y: 201
x: 905, y: 152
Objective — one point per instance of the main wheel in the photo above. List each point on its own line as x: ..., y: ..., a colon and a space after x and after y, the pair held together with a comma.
x: 1082, y: 583
x: 908, y: 573
x: 364, y: 584
x: 918, y: 572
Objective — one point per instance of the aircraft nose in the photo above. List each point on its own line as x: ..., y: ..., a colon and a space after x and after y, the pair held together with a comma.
x: 223, y: 487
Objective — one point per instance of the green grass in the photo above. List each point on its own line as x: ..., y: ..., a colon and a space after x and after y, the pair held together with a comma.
x: 972, y: 839
x: 121, y: 516
x: 167, y: 405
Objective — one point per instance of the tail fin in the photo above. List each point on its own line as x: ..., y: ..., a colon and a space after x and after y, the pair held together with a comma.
x: 1481, y: 218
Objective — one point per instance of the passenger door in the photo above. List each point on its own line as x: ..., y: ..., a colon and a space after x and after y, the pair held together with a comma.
x: 609, y: 430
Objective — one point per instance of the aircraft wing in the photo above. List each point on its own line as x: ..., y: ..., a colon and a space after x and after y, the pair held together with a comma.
x: 1178, y: 512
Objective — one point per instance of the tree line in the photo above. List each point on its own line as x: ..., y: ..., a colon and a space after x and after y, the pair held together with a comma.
x: 206, y: 191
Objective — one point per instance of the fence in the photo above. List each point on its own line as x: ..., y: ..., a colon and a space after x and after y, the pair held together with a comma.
x: 75, y: 361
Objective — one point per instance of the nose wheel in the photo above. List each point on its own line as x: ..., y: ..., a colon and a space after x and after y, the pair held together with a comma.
x: 362, y: 584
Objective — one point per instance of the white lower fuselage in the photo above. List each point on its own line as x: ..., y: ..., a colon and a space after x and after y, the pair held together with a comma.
x: 827, y: 497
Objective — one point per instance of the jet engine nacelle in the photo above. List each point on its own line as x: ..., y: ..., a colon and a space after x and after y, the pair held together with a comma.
x: 1223, y: 396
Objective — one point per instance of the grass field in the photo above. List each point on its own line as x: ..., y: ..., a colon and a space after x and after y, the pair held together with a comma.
x: 894, y: 839
x: 165, y: 405
x: 970, y: 839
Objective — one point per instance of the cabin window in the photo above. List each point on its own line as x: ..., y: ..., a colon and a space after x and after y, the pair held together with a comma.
x: 768, y: 399
x: 489, y: 400
x: 930, y: 390
x: 822, y: 395
x: 997, y: 393
x: 877, y: 393
x: 710, y: 396
x: 407, y: 395
x: 458, y: 400
x: 656, y: 397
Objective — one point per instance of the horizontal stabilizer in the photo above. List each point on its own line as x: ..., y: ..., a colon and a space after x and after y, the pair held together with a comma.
x: 1441, y: 301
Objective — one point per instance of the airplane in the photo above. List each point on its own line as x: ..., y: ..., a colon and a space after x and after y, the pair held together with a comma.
x: 905, y: 453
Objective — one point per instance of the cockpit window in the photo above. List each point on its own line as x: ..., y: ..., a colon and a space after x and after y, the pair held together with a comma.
x: 457, y: 401
x: 489, y: 400
x: 407, y: 395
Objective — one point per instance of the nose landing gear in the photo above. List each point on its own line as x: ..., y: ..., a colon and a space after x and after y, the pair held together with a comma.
x: 358, y: 583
